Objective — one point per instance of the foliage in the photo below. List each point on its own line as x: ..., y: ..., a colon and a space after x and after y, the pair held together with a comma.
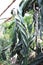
x: 19, y: 37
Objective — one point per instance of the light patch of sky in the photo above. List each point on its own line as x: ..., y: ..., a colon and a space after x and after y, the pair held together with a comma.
x: 4, y: 4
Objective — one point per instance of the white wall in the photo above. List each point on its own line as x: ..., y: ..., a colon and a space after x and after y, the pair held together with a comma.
x: 4, y: 4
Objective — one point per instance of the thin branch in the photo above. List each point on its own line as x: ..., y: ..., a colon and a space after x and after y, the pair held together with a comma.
x: 8, y: 19
x: 7, y: 8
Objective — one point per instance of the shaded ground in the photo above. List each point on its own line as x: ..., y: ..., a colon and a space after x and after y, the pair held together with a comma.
x: 38, y: 60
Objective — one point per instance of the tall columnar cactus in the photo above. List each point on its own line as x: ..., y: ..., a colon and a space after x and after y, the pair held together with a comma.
x: 41, y: 31
x: 21, y: 47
